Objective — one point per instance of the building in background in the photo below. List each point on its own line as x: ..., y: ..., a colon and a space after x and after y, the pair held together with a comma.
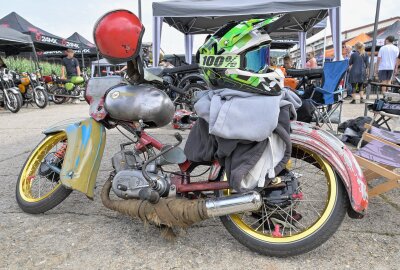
x: 348, y: 35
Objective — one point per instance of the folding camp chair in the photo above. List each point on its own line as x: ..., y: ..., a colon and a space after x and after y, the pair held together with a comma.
x: 334, y: 72
x: 380, y: 158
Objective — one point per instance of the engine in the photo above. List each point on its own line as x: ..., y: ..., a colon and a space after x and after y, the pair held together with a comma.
x: 129, y: 183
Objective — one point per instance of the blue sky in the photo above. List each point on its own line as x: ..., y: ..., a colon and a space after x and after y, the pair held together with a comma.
x: 62, y: 18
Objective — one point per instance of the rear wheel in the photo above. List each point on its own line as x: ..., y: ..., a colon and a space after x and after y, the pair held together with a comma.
x: 288, y: 225
x: 58, y: 99
x: 39, y: 188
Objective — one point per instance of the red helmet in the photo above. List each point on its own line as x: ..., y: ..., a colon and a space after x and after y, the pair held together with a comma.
x: 118, y: 36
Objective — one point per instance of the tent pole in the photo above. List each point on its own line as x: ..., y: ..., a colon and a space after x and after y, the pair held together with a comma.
x: 157, y: 25
x: 302, y: 45
x: 324, y: 51
x: 35, y: 57
x: 98, y: 65
x: 140, y: 9
x: 83, y: 59
x: 372, y: 64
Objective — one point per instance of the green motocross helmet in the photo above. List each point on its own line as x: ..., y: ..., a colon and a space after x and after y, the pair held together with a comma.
x: 235, y: 57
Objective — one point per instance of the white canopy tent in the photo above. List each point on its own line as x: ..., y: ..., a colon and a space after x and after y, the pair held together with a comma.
x: 201, y: 17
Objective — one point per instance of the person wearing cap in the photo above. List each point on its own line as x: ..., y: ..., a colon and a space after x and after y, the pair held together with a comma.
x: 70, y: 66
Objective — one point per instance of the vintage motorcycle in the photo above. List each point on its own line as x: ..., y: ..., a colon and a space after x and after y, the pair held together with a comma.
x: 299, y: 211
x: 61, y: 90
x: 10, y: 96
x: 31, y: 89
x: 185, y: 77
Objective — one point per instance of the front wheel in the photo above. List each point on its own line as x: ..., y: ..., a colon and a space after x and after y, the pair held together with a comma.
x: 298, y: 214
x: 41, y: 98
x: 39, y: 188
x: 15, y: 101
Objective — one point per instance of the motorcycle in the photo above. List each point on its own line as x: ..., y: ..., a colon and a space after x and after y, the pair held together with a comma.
x: 10, y: 96
x: 61, y: 90
x: 31, y: 88
x: 185, y: 77
x: 297, y: 212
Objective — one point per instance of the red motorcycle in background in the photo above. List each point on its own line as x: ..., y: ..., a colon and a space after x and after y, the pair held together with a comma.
x: 298, y: 211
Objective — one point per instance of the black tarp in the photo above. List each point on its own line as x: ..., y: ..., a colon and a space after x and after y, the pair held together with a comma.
x: 43, y: 40
x: 13, y: 42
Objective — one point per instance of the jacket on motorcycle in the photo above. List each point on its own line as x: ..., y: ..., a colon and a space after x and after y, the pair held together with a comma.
x: 233, y: 114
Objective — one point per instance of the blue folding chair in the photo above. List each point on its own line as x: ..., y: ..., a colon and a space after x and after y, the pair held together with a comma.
x: 333, y: 73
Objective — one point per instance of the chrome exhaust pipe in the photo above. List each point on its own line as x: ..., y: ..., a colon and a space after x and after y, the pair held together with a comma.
x: 249, y: 201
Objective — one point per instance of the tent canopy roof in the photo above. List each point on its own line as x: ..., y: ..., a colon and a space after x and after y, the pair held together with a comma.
x: 43, y: 40
x: 392, y: 30
x: 80, y: 39
x: 8, y: 35
x: 218, y: 8
x: 13, y: 42
x: 204, y: 16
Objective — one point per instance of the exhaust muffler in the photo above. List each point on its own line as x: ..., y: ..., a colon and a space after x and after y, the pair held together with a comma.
x: 249, y: 201
x: 179, y: 212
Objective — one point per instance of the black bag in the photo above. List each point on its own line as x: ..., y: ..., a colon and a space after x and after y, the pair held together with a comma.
x: 388, y: 107
x: 392, y: 108
x: 306, y: 111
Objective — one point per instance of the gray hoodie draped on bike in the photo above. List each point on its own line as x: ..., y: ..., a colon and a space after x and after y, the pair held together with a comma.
x: 235, y: 128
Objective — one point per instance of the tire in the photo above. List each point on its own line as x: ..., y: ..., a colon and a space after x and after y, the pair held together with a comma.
x: 41, y: 98
x: 49, y: 200
x: 58, y: 100
x: 326, y: 225
x: 190, y: 89
x: 16, y: 101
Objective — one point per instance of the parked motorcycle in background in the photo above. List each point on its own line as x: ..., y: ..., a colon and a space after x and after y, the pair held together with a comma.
x: 10, y: 96
x: 61, y: 90
x: 31, y: 89
x: 185, y: 77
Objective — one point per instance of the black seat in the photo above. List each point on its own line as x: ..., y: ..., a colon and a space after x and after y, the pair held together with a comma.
x: 156, y: 71
x: 181, y: 69
x: 316, y: 72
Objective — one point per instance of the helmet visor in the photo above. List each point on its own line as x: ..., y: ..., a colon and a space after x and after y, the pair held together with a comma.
x: 257, y: 59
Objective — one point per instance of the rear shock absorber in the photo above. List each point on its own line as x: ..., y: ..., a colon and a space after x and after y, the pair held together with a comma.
x: 61, y: 152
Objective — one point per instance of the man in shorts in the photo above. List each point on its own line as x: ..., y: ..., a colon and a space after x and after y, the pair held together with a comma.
x: 387, y: 60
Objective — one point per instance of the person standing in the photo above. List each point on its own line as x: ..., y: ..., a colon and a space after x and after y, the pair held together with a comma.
x: 70, y: 67
x: 347, y: 51
x: 387, y: 60
x: 358, y: 71
x: 311, y: 61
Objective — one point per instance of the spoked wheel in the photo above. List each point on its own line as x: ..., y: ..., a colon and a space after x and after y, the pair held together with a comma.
x: 58, y: 99
x: 300, y: 211
x: 39, y: 188
x: 15, y: 103
x: 41, y: 98
x: 190, y: 91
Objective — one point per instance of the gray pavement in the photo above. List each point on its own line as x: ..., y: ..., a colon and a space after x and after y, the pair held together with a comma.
x: 82, y: 234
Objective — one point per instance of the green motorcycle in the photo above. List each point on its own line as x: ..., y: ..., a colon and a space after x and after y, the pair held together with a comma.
x: 61, y: 90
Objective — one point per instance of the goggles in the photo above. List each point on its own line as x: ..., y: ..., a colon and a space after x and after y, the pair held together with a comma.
x: 254, y: 60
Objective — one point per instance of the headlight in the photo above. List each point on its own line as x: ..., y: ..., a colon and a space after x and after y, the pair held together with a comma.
x: 5, y: 77
x: 10, y: 76
x: 17, y: 76
x: 33, y: 76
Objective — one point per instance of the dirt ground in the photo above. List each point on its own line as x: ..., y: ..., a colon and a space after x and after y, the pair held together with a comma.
x: 82, y: 234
